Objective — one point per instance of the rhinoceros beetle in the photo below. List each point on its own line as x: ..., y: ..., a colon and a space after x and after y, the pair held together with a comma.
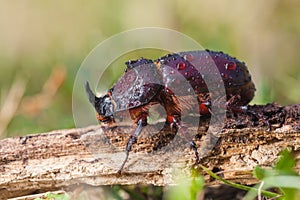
x: 138, y: 89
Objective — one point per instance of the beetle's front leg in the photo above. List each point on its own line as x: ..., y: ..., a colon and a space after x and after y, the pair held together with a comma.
x: 141, y: 123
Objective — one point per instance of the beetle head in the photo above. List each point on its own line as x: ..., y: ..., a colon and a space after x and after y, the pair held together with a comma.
x: 103, y: 105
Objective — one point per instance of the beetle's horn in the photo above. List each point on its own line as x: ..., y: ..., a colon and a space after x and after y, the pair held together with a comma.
x: 92, y: 97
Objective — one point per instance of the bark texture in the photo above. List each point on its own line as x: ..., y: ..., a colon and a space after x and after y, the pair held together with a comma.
x: 62, y: 159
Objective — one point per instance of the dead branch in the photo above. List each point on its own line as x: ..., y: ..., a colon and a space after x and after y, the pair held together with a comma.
x: 33, y: 105
x: 63, y: 159
x: 11, y: 104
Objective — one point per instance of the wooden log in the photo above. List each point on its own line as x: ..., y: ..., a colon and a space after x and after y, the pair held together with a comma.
x: 62, y: 159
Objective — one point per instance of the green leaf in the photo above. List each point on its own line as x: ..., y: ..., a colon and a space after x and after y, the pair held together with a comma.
x: 55, y: 197
x: 259, y: 172
x: 286, y: 164
x: 187, y: 189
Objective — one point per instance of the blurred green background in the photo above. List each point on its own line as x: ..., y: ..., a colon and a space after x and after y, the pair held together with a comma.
x: 43, y: 43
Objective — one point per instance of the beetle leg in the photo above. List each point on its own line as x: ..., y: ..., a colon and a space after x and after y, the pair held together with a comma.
x: 140, y: 125
x: 204, y: 108
x: 187, y: 136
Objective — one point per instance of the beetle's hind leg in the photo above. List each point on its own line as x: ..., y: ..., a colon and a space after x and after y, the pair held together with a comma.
x: 183, y: 130
x: 244, y: 109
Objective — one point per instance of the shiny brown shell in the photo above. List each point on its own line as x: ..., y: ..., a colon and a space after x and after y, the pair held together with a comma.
x: 143, y: 78
x: 137, y: 86
x: 199, y: 68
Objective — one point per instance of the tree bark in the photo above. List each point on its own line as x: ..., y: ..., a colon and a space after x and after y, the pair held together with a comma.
x: 62, y: 159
